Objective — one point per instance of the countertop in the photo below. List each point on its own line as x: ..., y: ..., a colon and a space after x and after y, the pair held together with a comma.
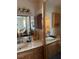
x: 34, y: 44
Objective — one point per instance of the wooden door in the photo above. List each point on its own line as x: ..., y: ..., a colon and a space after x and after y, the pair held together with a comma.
x: 56, y: 23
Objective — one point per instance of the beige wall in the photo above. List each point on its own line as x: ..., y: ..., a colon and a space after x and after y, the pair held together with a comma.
x: 25, y: 4
x: 34, y: 5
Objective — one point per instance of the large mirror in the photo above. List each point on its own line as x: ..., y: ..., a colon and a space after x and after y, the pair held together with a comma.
x: 52, y: 17
x: 29, y: 20
x: 25, y: 26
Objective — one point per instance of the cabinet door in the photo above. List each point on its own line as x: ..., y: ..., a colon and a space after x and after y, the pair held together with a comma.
x: 52, y: 49
x: 38, y: 53
x: 25, y: 55
x: 28, y: 56
x: 20, y: 56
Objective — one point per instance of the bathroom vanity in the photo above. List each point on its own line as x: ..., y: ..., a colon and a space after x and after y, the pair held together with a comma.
x: 34, y: 50
x: 35, y: 53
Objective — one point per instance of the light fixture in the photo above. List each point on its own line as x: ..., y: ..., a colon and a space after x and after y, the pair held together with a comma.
x: 23, y: 10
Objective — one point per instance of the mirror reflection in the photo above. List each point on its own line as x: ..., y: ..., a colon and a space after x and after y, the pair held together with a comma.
x: 25, y: 27
x: 52, y: 18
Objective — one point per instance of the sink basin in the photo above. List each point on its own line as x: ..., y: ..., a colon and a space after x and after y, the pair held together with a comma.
x: 49, y: 38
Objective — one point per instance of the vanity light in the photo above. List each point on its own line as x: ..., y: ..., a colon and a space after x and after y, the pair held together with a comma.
x: 23, y: 10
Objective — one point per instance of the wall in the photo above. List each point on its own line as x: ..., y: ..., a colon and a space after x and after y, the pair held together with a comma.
x: 38, y: 6
x: 34, y: 5
x: 25, y: 4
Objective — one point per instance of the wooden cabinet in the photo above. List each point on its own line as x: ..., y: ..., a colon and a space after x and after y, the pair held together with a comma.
x: 36, y: 53
x: 25, y: 55
x: 53, y: 48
